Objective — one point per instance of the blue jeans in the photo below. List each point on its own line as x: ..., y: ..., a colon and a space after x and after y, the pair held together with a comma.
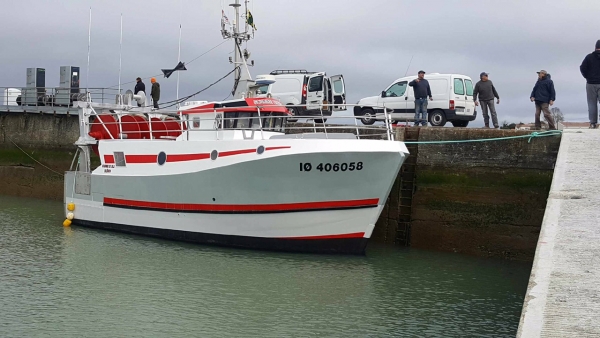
x: 421, y: 112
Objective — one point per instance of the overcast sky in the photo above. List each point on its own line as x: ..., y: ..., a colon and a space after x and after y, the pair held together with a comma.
x: 369, y: 42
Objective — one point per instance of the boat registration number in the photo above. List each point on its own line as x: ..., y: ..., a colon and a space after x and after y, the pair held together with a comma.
x: 327, y: 167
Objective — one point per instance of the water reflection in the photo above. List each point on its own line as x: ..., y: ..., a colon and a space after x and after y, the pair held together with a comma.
x: 80, y: 282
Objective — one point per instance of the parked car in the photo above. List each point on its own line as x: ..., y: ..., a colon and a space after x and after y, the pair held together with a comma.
x: 308, y: 89
x: 452, y: 101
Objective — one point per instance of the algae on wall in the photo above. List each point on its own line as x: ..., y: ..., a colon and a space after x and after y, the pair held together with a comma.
x: 480, y: 211
x: 480, y: 198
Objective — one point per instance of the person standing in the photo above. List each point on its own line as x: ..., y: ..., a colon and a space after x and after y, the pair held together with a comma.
x: 422, y: 92
x: 543, y: 95
x: 487, y: 92
x: 155, y: 92
x: 590, y: 69
x: 139, y: 87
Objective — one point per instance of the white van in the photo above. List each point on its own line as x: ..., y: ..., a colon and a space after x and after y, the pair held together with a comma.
x: 309, y: 89
x: 452, y: 101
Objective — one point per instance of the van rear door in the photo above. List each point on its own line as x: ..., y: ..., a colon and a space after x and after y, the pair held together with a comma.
x: 460, y: 99
x: 470, y: 104
x: 339, y: 92
x: 315, y: 91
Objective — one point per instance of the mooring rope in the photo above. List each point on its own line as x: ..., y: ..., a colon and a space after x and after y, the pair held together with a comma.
x: 36, y: 161
x: 529, y: 136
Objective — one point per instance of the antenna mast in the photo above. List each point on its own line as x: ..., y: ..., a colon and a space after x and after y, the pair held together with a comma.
x: 178, y: 60
x: 243, y: 79
x: 87, y: 78
x: 120, y: 52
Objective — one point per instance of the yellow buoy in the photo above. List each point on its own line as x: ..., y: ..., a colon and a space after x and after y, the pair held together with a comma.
x: 71, y: 206
x: 67, y: 223
x: 70, y: 216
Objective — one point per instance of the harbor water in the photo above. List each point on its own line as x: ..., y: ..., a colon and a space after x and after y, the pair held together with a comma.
x: 78, y: 282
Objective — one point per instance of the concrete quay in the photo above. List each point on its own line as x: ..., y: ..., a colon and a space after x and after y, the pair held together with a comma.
x: 563, y: 296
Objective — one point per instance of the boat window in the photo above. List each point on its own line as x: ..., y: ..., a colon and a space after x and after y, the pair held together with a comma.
x: 119, y: 159
x: 278, y: 122
x: 243, y: 121
x: 268, y: 122
x: 255, y: 121
x: 229, y: 120
x: 315, y: 84
x: 262, y: 90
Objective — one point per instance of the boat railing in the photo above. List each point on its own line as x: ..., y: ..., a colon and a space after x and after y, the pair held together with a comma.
x: 256, y: 119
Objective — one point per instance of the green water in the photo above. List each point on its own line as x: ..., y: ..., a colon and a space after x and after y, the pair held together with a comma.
x: 78, y: 282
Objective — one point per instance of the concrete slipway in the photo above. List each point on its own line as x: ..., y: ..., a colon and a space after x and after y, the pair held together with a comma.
x: 563, y: 296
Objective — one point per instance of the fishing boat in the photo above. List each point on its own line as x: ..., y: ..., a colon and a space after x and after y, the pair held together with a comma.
x: 227, y: 173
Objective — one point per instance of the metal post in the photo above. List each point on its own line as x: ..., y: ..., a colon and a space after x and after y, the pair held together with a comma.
x: 262, y: 135
x: 357, y: 131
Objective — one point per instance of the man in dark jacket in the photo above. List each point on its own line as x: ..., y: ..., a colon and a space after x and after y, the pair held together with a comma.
x: 543, y: 95
x: 486, y: 91
x: 590, y: 69
x: 155, y: 92
x: 139, y: 87
x: 422, y: 91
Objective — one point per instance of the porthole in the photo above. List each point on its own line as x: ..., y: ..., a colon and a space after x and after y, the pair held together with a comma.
x: 162, y: 158
x: 214, y: 154
x: 260, y: 150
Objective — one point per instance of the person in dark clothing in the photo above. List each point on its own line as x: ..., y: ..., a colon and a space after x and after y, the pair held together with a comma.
x: 543, y: 95
x: 155, y: 92
x: 590, y: 69
x: 486, y: 91
x: 422, y: 92
x: 139, y: 87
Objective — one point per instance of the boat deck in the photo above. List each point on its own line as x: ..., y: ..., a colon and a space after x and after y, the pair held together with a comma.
x: 563, y: 296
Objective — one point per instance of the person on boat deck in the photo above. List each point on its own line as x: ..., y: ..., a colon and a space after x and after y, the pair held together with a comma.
x: 155, y: 92
x: 139, y: 87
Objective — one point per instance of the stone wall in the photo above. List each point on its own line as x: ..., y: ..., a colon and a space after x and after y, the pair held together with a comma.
x: 35, y: 150
x: 38, y: 131
x: 481, y: 198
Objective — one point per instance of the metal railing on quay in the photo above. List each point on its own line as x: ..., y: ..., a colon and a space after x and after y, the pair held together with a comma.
x: 41, y: 99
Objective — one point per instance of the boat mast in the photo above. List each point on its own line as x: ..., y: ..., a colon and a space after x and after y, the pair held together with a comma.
x: 242, y: 79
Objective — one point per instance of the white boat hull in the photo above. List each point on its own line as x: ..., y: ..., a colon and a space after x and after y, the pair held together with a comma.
x: 242, y: 198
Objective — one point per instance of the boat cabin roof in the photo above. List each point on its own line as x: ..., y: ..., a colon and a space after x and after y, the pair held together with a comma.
x: 268, y: 105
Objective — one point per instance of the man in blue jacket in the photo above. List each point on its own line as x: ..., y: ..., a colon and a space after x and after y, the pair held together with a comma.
x: 422, y: 92
x: 543, y: 95
x: 590, y: 69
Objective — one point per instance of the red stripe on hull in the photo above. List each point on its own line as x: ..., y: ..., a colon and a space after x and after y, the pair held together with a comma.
x: 277, y: 148
x: 352, y: 235
x: 145, y: 159
x: 243, y: 207
x: 141, y: 159
x: 187, y: 157
x: 236, y: 152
